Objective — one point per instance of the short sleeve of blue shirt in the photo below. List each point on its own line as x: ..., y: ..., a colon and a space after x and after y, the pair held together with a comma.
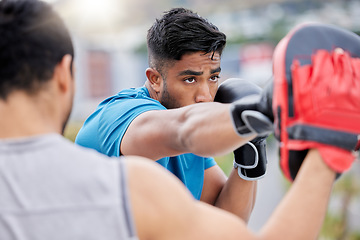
x: 105, y: 128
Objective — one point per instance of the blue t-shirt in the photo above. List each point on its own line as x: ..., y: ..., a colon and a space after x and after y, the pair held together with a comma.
x: 105, y: 128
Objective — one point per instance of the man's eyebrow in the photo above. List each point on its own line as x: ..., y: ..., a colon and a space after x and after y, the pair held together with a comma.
x: 215, y: 70
x: 195, y: 73
x: 190, y: 72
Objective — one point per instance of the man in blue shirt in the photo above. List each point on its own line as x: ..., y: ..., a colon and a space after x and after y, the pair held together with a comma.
x: 161, y: 121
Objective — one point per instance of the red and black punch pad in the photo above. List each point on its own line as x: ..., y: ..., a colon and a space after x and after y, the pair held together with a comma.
x: 316, y: 98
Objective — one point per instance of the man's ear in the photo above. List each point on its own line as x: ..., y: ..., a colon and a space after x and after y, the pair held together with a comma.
x: 154, y: 78
x: 62, y: 73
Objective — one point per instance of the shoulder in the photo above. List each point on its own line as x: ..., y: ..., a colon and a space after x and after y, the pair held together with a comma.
x: 129, y: 101
x: 134, y: 93
x: 80, y: 154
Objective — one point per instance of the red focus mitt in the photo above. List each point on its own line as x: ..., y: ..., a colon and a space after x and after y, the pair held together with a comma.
x: 316, y: 96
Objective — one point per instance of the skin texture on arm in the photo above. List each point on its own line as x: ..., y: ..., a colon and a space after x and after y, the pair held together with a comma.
x: 233, y: 194
x: 163, y: 209
x: 183, y: 130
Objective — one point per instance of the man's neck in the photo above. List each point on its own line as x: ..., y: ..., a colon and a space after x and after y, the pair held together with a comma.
x: 22, y: 116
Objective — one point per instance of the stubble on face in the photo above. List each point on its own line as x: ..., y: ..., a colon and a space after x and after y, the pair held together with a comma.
x: 167, y: 100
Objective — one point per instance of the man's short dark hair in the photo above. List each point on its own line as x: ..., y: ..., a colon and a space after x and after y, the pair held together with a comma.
x: 178, y: 32
x: 33, y: 39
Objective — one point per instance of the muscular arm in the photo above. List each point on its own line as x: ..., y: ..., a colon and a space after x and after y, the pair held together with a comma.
x: 298, y: 216
x: 204, y: 129
x: 233, y: 194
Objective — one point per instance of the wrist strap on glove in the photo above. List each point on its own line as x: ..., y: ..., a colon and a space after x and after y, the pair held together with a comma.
x: 250, y: 160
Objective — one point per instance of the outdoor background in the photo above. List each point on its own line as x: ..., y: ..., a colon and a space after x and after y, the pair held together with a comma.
x: 110, y: 54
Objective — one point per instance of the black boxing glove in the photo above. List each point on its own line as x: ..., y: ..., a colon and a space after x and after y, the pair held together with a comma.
x: 252, y: 113
x: 250, y: 159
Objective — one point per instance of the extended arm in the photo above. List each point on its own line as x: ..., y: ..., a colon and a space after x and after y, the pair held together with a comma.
x: 205, y: 129
x: 171, y: 213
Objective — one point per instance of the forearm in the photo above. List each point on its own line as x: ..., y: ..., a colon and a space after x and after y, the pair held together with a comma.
x: 305, y: 204
x: 211, y: 125
x: 238, y: 196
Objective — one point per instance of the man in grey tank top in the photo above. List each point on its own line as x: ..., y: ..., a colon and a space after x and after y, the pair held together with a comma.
x: 52, y: 189
x: 49, y: 188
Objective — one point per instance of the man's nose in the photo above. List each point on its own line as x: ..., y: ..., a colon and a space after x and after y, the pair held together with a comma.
x: 204, y: 93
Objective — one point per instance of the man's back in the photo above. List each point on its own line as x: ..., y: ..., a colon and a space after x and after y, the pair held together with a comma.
x: 51, y: 189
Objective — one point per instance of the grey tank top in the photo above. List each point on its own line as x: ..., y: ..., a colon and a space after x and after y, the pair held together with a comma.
x: 53, y: 189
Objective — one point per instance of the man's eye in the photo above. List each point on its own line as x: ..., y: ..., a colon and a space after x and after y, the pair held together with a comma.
x: 190, y: 80
x: 214, y: 78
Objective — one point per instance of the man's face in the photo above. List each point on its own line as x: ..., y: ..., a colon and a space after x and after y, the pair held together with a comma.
x: 192, y: 79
